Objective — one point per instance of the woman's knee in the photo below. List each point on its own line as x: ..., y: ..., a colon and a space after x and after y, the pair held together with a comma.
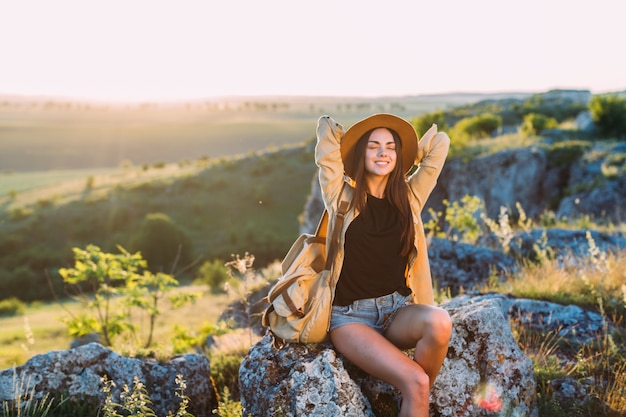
x: 440, y: 326
x: 417, y: 382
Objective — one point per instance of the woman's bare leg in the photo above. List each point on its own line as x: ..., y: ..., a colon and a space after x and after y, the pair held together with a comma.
x: 427, y: 329
x: 377, y: 356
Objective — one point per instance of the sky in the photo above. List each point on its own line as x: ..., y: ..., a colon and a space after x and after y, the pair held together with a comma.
x: 146, y: 50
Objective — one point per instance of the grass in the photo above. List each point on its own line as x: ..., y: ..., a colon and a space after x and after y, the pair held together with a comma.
x: 43, y: 322
x: 597, y: 282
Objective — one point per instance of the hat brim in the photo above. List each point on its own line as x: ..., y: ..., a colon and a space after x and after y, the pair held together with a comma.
x: 404, y: 129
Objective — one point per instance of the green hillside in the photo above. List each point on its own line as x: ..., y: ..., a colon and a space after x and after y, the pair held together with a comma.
x: 222, y: 207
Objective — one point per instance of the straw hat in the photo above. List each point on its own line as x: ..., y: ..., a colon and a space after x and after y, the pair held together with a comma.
x: 404, y: 129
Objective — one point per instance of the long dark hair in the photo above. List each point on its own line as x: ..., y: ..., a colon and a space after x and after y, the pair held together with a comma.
x: 395, y: 191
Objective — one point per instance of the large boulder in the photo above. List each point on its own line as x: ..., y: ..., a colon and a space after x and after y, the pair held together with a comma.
x: 314, y: 380
x: 485, y: 371
x: 79, y: 372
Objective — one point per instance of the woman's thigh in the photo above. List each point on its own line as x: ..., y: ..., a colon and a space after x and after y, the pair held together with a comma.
x: 373, y: 353
x: 416, y: 321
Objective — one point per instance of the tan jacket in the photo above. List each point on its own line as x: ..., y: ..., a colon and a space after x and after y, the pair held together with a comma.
x: 431, y: 155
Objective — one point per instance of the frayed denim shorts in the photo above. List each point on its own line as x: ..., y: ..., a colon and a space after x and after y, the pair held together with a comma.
x: 377, y: 313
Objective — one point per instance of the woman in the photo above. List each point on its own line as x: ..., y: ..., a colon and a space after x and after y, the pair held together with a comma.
x: 383, y: 301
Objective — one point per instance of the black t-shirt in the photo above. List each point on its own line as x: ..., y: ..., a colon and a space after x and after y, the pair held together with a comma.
x: 372, y: 265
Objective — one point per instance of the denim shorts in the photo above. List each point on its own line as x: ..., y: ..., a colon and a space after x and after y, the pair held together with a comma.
x: 377, y: 313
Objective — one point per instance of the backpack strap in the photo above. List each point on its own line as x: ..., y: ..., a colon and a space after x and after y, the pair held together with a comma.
x: 338, y: 227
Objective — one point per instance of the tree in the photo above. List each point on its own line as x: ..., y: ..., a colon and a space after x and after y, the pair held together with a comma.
x: 119, y: 283
x: 609, y: 114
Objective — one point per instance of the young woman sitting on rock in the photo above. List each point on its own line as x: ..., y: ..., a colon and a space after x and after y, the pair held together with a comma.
x: 383, y: 301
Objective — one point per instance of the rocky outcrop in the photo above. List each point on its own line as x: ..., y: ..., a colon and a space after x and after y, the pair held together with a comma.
x: 499, y: 180
x: 562, y: 244
x: 78, y: 373
x: 597, y: 185
x: 593, y: 184
x: 484, y: 372
x: 461, y: 266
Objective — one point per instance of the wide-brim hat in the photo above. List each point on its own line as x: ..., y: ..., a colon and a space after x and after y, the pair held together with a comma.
x: 404, y: 129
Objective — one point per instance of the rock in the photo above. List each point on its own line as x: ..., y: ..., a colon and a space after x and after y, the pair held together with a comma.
x: 298, y: 380
x: 597, y: 185
x: 483, y: 357
x: 570, y: 323
x: 564, y: 245
x: 584, y: 122
x: 314, y: 380
x: 514, y: 175
x: 313, y: 208
x: 457, y: 265
x: 78, y: 373
x: 85, y: 340
x: 247, y: 315
x: 572, y: 391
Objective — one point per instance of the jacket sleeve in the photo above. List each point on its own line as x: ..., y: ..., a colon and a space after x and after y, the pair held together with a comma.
x: 328, y: 159
x: 432, y: 151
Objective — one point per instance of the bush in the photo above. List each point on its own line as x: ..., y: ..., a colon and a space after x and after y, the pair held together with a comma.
x: 11, y: 306
x: 534, y: 124
x: 479, y: 126
x: 27, y: 283
x: 425, y: 121
x: 119, y: 283
x: 609, y: 114
x: 225, y: 372
x: 565, y: 154
x: 162, y: 243
x: 214, y: 274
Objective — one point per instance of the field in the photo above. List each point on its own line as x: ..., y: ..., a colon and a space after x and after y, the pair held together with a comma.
x: 38, y: 135
x: 41, y: 329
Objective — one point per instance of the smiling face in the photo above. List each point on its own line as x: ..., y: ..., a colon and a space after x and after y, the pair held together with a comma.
x: 380, y: 153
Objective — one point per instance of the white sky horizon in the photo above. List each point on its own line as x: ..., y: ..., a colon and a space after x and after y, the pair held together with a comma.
x: 141, y: 50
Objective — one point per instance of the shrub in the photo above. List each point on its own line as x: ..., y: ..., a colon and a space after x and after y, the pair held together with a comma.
x: 118, y: 285
x: 460, y: 221
x: 25, y: 282
x: 564, y: 154
x: 162, y: 243
x: 11, y: 306
x: 425, y: 121
x: 214, y: 274
x: 534, y: 124
x: 609, y: 114
x: 225, y: 372
x: 479, y: 126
